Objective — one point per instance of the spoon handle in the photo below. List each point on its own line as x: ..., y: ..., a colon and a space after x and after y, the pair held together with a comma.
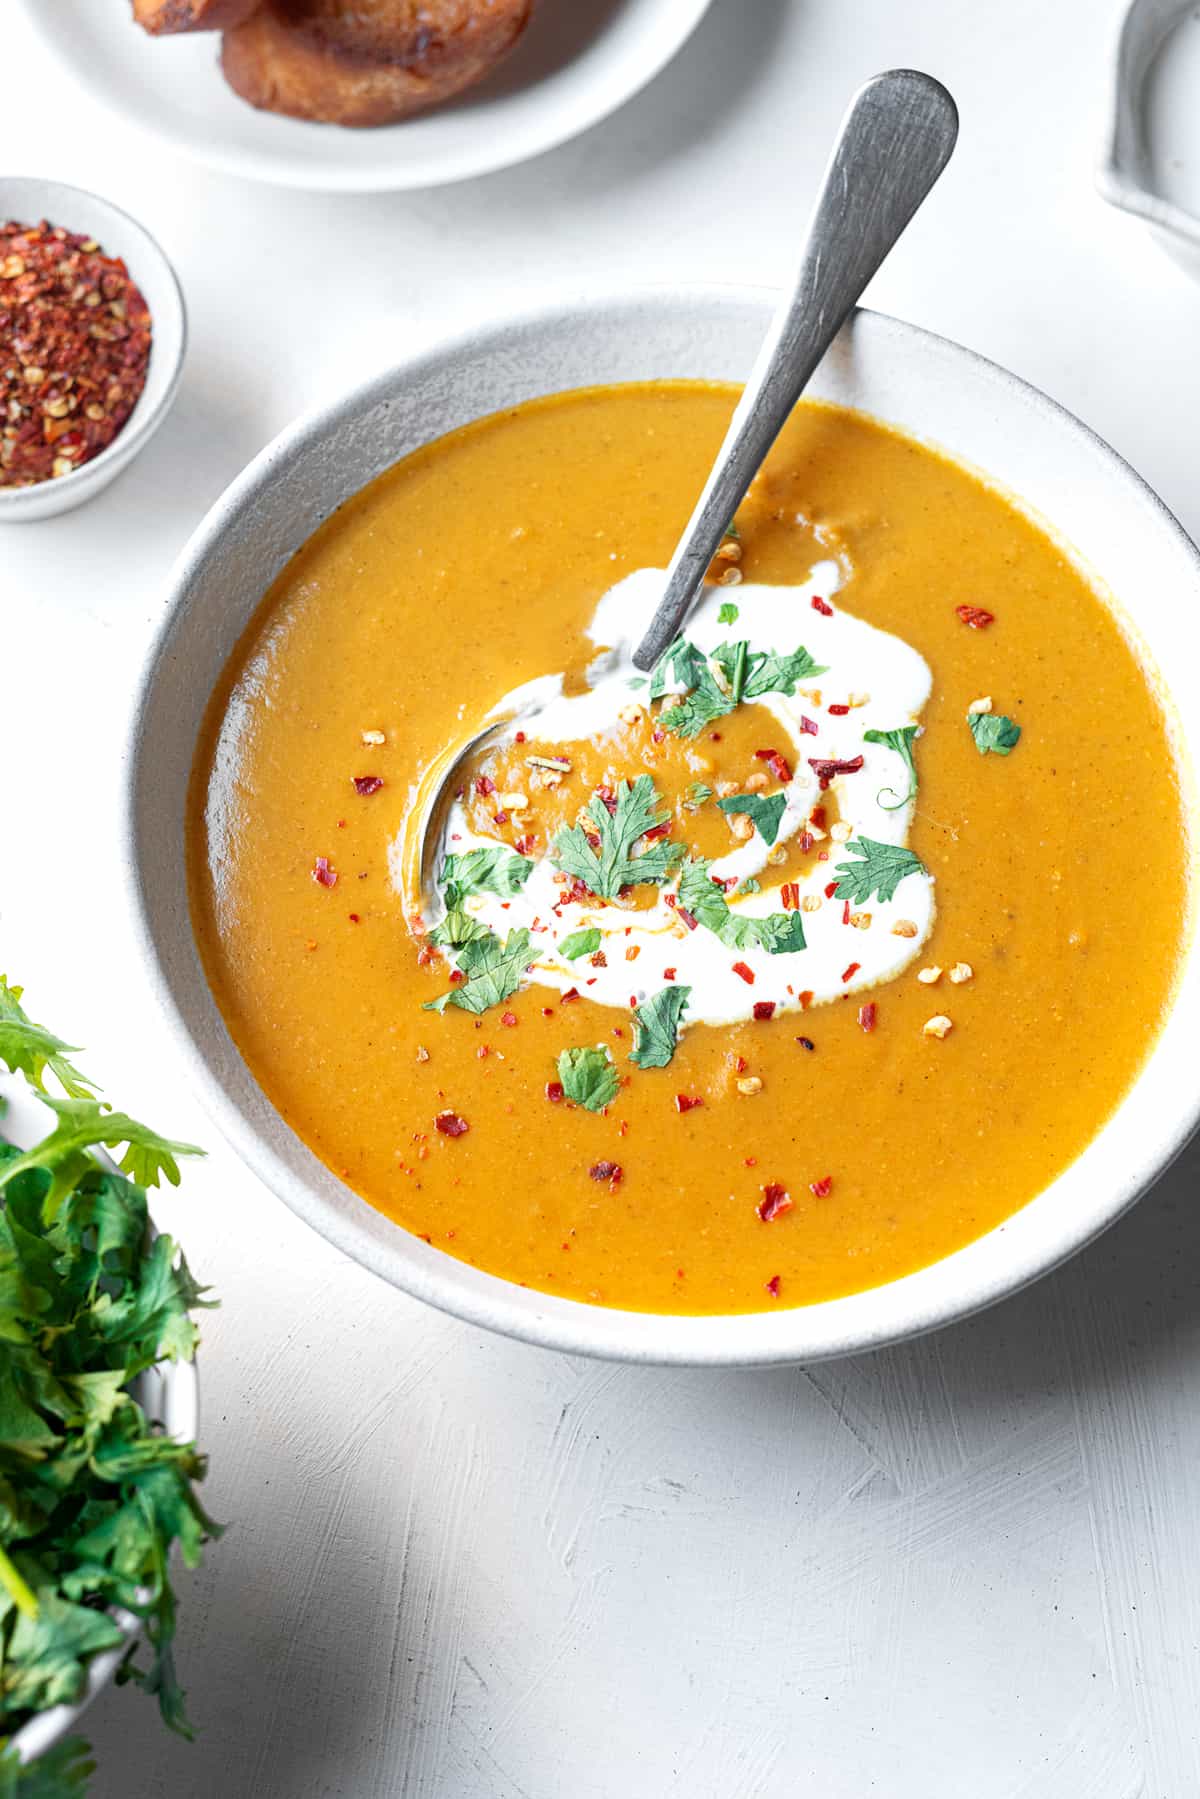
x: 895, y: 141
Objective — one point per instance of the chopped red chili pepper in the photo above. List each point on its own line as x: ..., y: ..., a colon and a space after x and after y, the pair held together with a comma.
x: 849, y: 973
x: 866, y: 1016
x: 365, y: 784
x: 76, y: 334
x: 976, y: 617
x: 838, y: 711
x: 518, y: 736
x: 775, y: 1201
x: 746, y: 973
x: 354, y: 918
x: 806, y: 999
x: 831, y: 888
x: 450, y: 1124
x: 484, y: 785
x: 598, y: 959
x: 607, y: 797
x: 751, y: 1162
x: 823, y: 1188
x: 806, y: 1043
x: 554, y: 1091
x: 655, y: 832
x: 509, y: 1018
x: 714, y: 737
x: 524, y: 846
x: 773, y: 1286
x: 808, y: 725
x: 323, y: 874
x: 688, y: 918
x: 817, y: 817
x: 822, y: 606
x: 740, y: 1065
x: 456, y: 977
x: 668, y: 974
x: 570, y: 994
x: 606, y: 1171
x: 845, y: 911
x: 789, y: 896
x: 687, y: 1102
x: 778, y: 764
x: 825, y: 767
x: 499, y: 818
x: 764, y: 1009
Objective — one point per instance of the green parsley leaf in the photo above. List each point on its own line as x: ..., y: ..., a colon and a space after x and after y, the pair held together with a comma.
x: 764, y: 811
x: 29, y: 1049
x: 500, y: 871
x: 880, y: 869
x: 780, y: 674
x: 614, y: 865
x: 84, y: 1124
x: 901, y: 741
x: 580, y: 943
x: 493, y: 970
x: 656, y: 1027
x: 748, y: 675
x: 588, y: 1077
x: 458, y: 928
x: 58, y: 1773
x: 697, y: 795
x: 727, y: 613
x: 749, y: 885
x: 993, y: 733
x: 779, y: 933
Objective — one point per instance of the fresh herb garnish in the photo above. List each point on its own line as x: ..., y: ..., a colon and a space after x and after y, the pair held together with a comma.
x: 749, y: 885
x: 901, y: 741
x: 779, y: 933
x: 727, y: 613
x: 500, y: 871
x: 697, y: 795
x: 493, y: 971
x: 880, y: 869
x: 746, y: 675
x: 580, y: 943
x: 764, y: 811
x: 458, y: 928
x: 92, y: 1496
x: 604, y: 871
x: 589, y: 1078
x: 993, y: 733
x: 656, y: 1027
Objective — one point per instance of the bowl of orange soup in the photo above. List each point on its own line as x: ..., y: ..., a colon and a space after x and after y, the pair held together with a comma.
x: 829, y: 984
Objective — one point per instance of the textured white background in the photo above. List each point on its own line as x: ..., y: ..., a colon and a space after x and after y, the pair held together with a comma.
x: 462, y: 1569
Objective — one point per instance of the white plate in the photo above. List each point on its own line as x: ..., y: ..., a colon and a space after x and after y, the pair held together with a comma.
x: 578, y: 61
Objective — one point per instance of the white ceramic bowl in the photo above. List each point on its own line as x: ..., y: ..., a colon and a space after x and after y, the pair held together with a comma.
x: 29, y: 199
x: 169, y: 1394
x: 931, y: 388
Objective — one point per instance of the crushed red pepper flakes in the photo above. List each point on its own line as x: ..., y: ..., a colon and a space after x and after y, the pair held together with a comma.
x: 846, y: 914
x: 612, y: 1172
x: 323, y: 874
x: 817, y: 817
x: 848, y: 974
x: 822, y: 606
x: 838, y: 711
x: 451, y: 1124
x: 509, y: 1018
x: 778, y: 764
x: 77, y: 337
x: 668, y: 974
x: 354, y: 919
x: 806, y: 1043
x: 524, y: 846
x: 570, y: 994
x: 484, y: 785
x: 831, y: 888
x: 772, y: 1286
x: 775, y: 1201
x: 805, y: 841
x: 456, y: 977
x: 808, y: 726
x: 976, y: 616
x: 764, y: 1009
x: 554, y: 1091
x: 740, y: 1065
x: 547, y: 1011
x: 746, y: 973
x: 823, y: 1188
x: 825, y: 767
x: 687, y: 1102
x: 789, y: 896
x: 499, y: 818
x: 518, y: 736
x: 367, y: 784
x: 866, y: 1016
x: 806, y: 999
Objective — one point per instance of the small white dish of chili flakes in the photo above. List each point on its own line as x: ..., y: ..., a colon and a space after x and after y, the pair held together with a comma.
x: 93, y: 332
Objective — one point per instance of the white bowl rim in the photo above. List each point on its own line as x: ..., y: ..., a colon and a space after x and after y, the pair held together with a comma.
x: 137, y: 431
x: 790, y: 1335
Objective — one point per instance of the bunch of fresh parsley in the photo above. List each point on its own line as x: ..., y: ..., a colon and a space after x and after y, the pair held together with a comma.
x: 92, y: 1496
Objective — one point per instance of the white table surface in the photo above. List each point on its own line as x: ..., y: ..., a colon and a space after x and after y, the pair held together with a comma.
x: 458, y: 1568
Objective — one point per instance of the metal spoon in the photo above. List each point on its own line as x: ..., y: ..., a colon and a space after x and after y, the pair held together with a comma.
x: 895, y: 140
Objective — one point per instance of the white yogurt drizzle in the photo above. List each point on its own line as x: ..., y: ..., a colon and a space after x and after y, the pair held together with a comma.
x: 890, y: 681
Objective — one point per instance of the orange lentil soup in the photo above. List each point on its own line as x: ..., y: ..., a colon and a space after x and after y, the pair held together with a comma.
x: 831, y: 1149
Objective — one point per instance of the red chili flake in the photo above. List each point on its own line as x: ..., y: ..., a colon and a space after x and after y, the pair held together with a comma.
x: 789, y: 895
x: 608, y: 798
x: 845, y: 911
x: 668, y: 974
x: 848, y: 974
x: 570, y: 994
x: 611, y: 1172
x: 509, y: 1018
x: 775, y: 1201
x: 657, y: 736
x: 822, y: 606
x: 518, y: 736
x: 740, y: 1065
x: 822, y: 855
x: 838, y: 711
x: 764, y: 1009
x: 365, y: 784
x: 354, y: 918
x: 341, y: 824
x: 751, y: 1162
x: 866, y: 1016
x: 747, y: 974
x: 483, y: 1052
x: 598, y: 959
x: 427, y: 954
x: 823, y: 1188
x: 779, y: 765
x: 831, y: 888
x: 451, y: 1125
x: 808, y: 725
x: 547, y: 1011
x: 554, y: 1091
x: 633, y: 1000
x: 976, y: 617
x: 524, y: 845
x: 806, y: 999
x: 688, y: 918
x: 323, y: 874
x: 484, y: 785
x: 456, y: 977
x: 805, y: 841
x: 825, y: 767
x: 714, y: 737
x: 806, y: 1043
x: 656, y: 831
x: 76, y: 335
x: 687, y: 1102
x: 773, y: 1286
x: 499, y: 818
